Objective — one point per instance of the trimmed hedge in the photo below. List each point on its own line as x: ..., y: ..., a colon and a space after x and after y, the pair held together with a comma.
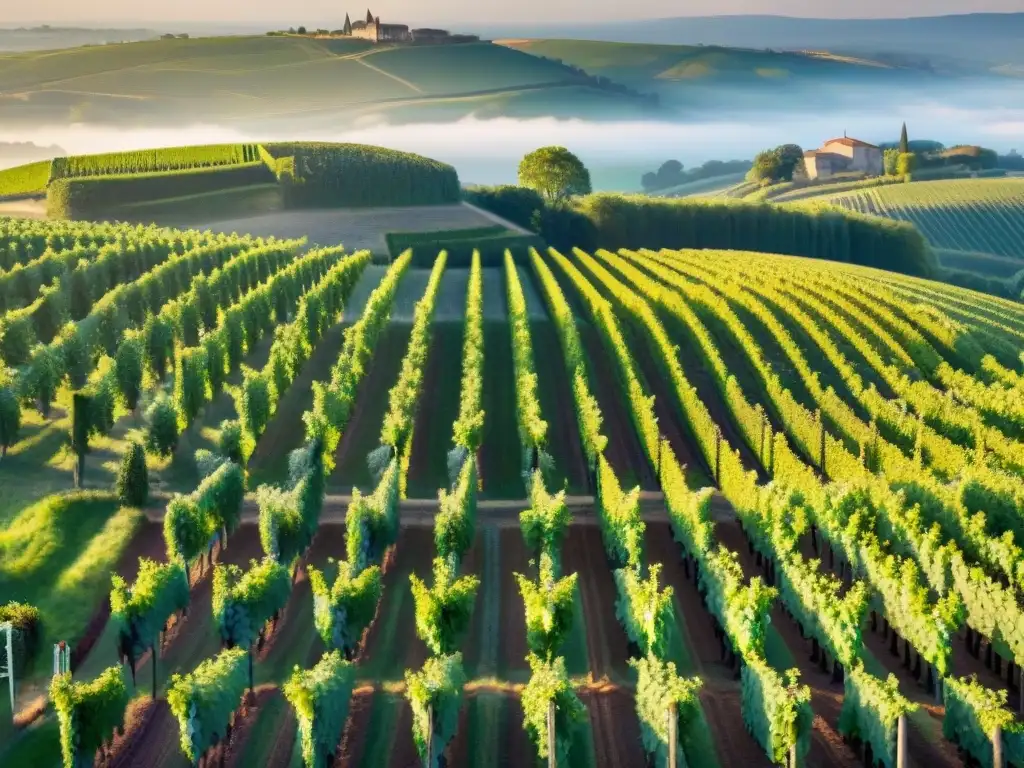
x: 361, y: 175
x: 153, y: 160
x: 490, y: 242
x: 520, y: 205
x: 96, y: 196
x: 817, y: 231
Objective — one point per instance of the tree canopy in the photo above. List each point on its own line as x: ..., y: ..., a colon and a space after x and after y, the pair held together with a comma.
x: 554, y: 172
x: 775, y: 165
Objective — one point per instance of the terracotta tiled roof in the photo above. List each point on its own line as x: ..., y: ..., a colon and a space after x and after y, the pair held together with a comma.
x: 848, y: 142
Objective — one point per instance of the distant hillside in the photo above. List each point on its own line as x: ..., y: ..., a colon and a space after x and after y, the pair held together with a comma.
x: 289, y: 80
x: 52, y: 38
x: 945, y: 42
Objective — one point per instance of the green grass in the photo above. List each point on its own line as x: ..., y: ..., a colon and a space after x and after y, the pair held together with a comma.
x: 631, y: 62
x: 25, y: 179
x: 259, y: 77
x: 58, y: 554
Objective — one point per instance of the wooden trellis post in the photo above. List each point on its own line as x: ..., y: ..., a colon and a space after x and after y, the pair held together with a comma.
x: 430, y: 736
x: 901, y: 742
x: 997, y: 748
x: 7, y: 629
x: 673, y: 725
x: 552, y: 762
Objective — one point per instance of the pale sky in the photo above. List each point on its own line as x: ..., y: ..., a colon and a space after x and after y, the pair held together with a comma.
x: 129, y: 12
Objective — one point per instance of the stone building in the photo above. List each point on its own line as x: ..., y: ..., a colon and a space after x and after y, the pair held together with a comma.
x: 371, y: 29
x: 843, y: 155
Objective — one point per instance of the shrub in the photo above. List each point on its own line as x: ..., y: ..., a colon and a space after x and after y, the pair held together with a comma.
x: 162, y: 427
x: 129, y: 362
x: 10, y: 419
x: 230, y: 442
x: 133, y: 478
x: 27, y: 626
x: 190, y: 384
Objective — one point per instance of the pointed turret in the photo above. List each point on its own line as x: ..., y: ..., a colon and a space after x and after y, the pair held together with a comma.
x: 369, y: 16
x: 347, y: 29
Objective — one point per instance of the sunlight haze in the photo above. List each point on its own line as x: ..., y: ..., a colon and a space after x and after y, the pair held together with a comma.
x: 452, y: 11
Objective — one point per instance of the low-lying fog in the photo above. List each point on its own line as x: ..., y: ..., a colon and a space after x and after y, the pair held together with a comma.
x: 488, y: 151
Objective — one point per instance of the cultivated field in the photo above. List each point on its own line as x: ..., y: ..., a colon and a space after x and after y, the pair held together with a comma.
x: 984, y: 215
x: 793, y: 498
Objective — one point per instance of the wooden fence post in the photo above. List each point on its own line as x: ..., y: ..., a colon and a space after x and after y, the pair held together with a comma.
x: 673, y: 724
x: 997, y: 748
x: 430, y: 736
x: 552, y: 762
x: 901, y: 742
x: 792, y: 756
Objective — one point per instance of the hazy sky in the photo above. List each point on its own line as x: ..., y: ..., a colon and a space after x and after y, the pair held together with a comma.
x: 124, y: 12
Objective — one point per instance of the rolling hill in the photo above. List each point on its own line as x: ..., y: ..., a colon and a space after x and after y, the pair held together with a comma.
x: 282, y: 78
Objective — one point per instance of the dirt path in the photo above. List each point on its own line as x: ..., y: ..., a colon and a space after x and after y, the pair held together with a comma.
x: 437, y: 411
x: 500, y: 450
x: 614, y: 726
x: 509, y: 556
x: 558, y: 408
x: 285, y: 433
x: 624, y: 451
x: 607, y: 646
x: 361, y: 434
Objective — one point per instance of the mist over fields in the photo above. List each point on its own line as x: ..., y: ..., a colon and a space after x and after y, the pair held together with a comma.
x: 487, y: 151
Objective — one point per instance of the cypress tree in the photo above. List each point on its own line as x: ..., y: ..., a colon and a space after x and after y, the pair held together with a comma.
x: 904, y: 143
x: 133, y: 478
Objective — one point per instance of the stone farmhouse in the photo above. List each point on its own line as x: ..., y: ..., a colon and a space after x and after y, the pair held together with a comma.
x: 373, y: 30
x: 843, y: 155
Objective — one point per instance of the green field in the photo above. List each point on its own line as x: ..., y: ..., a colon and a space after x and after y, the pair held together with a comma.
x: 273, y: 79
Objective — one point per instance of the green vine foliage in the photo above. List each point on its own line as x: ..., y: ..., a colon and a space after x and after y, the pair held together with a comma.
x: 544, y: 524
x: 644, y: 610
x: 129, y: 362
x: 243, y: 602
x: 871, y: 710
x: 371, y: 522
x: 455, y: 523
x: 776, y: 710
x: 204, y: 700
x: 443, y: 610
x: 320, y: 697
x: 661, y: 694
x: 215, y: 506
x: 622, y: 528
x: 343, y: 610
x: 468, y: 426
x: 404, y: 396
x: 88, y: 713
x: 549, y: 682
x: 142, y: 609
x: 436, y: 690
x: 332, y: 403
x: 973, y: 712
x: 532, y: 427
x: 191, y: 385
x: 549, y: 605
